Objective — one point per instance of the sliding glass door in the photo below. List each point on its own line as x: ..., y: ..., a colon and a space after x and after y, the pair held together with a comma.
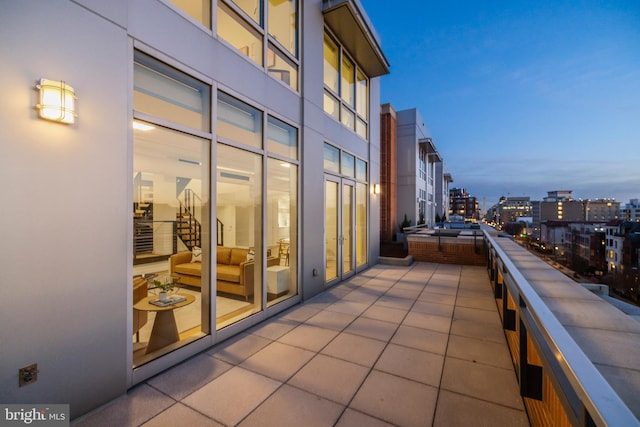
x: 340, y: 220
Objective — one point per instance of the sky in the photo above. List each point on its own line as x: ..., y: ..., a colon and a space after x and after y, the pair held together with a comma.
x: 521, y: 97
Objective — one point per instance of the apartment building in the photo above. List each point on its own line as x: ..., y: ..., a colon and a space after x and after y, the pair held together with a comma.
x: 224, y: 151
x: 631, y: 211
x: 443, y: 182
x: 614, y: 235
x: 510, y: 209
x: 462, y: 204
x: 415, y: 165
x: 413, y: 173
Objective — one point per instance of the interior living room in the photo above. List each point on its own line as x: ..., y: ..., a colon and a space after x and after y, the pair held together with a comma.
x: 171, y: 282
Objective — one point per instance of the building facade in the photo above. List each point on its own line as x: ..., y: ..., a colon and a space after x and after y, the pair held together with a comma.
x: 511, y: 209
x: 388, y: 173
x: 192, y: 134
x: 462, y: 204
x: 443, y: 181
x: 631, y: 211
x: 416, y: 157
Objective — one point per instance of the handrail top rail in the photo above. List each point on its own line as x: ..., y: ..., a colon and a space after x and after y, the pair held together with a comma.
x: 603, y: 403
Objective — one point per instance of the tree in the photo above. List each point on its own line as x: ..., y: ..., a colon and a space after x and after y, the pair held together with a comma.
x: 437, y: 218
x: 405, y: 223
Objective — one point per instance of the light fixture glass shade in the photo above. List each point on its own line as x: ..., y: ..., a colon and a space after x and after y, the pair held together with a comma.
x: 57, y: 101
x: 376, y: 188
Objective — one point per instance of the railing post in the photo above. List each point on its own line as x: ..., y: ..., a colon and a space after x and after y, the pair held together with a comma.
x: 530, y: 375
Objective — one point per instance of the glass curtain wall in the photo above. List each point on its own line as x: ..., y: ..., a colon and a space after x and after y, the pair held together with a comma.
x: 239, y: 247
x: 200, y: 10
x: 242, y: 23
x: 346, y: 88
x: 282, y: 208
x: 331, y: 196
x: 170, y: 205
x: 245, y: 264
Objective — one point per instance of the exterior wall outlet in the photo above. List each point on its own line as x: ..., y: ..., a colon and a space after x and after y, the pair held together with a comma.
x: 28, y: 375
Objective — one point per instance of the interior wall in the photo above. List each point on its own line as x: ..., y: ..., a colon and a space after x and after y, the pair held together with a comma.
x: 65, y: 211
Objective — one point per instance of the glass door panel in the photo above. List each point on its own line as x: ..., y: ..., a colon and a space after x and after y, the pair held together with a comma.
x: 170, y: 205
x: 282, y: 225
x: 239, y: 251
x: 361, y: 224
x: 331, y: 230
x: 347, y: 228
x: 340, y: 228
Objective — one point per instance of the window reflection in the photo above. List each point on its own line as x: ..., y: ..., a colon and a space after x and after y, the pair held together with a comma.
x: 283, y: 16
x: 239, y: 34
x: 200, y: 10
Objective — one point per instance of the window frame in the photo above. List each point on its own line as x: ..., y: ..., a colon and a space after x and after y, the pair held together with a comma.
x: 350, y: 115
x: 269, y: 41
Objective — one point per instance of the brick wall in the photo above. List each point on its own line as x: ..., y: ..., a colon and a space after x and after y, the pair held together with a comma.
x: 388, y: 175
x: 448, y: 251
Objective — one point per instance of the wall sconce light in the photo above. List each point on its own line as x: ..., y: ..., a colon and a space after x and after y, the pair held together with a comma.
x: 57, y: 101
x: 376, y: 189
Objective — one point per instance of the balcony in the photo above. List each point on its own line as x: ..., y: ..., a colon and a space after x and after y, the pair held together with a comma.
x: 511, y: 342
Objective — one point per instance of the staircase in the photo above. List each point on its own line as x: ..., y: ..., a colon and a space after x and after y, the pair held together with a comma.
x: 188, y: 228
x: 143, y: 214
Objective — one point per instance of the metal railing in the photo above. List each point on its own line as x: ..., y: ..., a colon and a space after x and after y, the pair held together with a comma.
x: 587, y: 397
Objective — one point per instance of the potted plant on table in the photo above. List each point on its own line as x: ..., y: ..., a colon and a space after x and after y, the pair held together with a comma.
x: 165, y: 284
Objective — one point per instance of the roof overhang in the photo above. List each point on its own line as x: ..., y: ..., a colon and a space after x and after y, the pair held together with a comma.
x: 428, y: 146
x: 350, y: 24
x: 448, y: 177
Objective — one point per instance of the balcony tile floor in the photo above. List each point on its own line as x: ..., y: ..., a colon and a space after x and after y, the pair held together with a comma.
x: 420, y: 345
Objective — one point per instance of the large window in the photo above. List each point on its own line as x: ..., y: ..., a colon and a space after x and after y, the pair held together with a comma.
x: 200, y: 10
x: 283, y: 24
x: 240, y: 34
x: 238, y: 121
x: 170, y: 208
x: 239, y: 248
x: 274, y: 45
x: 346, y: 88
x: 166, y: 93
x: 262, y: 266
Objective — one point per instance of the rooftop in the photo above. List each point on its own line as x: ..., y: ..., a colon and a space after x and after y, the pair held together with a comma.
x: 395, y: 345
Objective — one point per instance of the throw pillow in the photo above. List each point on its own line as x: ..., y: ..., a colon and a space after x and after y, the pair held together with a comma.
x: 251, y: 255
x: 196, y: 254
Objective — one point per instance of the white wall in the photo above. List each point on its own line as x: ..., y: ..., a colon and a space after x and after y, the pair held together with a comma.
x: 65, y: 210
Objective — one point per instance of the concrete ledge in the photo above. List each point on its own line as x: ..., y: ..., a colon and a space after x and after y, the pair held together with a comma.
x: 386, y: 260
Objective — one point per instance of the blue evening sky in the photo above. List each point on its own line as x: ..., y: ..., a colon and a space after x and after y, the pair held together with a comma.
x: 521, y: 97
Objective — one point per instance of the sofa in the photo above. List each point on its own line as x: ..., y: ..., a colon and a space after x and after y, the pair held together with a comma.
x: 234, y: 270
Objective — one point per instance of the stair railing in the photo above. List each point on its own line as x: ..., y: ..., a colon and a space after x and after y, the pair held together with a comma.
x: 191, y: 237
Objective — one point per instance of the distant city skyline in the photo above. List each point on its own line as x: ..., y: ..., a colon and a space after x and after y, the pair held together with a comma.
x: 521, y: 98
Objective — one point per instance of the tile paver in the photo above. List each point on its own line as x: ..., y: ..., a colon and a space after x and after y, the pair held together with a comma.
x: 278, y: 361
x: 232, y: 396
x: 355, y: 348
x: 397, y: 400
x: 412, y: 364
x: 292, y: 407
x: 418, y: 345
x: 331, y: 378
